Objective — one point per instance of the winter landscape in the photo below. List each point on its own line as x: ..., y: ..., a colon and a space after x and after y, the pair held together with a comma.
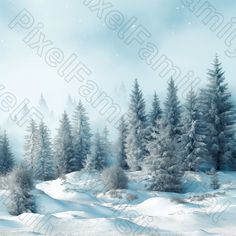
x: 102, y: 134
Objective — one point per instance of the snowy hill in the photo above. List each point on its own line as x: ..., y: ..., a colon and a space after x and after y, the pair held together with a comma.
x: 77, y: 205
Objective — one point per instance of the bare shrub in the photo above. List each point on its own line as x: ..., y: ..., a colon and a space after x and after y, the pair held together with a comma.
x: 114, y: 178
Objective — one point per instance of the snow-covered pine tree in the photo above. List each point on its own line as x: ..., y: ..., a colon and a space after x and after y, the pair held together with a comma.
x: 153, y: 146
x: 121, y: 152
x: 98, y: 158
x: 172, y: 111
x: 43, y: 107
x: 166, y: 169
x: 193, y: 139
x: 219, y: 114
x: 156, y: 111
x: 136, y: 139
x: 20, y: 185
x: 155, y: 116
x: 63, y: 147
x: 81, y: 135
x: 31, y: 145
x: 45, y: 163
x: 6, y: 156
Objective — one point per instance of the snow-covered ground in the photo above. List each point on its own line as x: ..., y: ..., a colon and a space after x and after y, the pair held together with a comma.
x: 77, y: 205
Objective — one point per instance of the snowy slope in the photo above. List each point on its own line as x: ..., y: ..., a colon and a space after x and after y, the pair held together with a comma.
x: 76, y: 205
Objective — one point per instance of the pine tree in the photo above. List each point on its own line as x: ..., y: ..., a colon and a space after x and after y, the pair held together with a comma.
x: 98, y: 158
x: 172, y: 111
x: 219, y: 115
x: 21, y: 185
x: 64, y: 152
x: 196, y: 156
x: 154, y: 122
x: 123, y: 131
x: 166, y: 169
x: 43, y: 107
x: 164, y: 148
x: 81, y: 135
x: 45, y: 164
x: 156, y: 111
x: 31, y: 145
x: 152, y: 146
x: 136, y: 139
x: 6, y: 156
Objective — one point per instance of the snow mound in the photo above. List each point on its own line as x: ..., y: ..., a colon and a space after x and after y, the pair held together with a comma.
x: 77, y: 205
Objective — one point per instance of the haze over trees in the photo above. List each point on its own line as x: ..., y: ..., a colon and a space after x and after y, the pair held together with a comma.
x: 195, y: 135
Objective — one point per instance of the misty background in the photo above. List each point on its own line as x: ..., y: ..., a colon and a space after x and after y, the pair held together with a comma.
x: 73, y: 28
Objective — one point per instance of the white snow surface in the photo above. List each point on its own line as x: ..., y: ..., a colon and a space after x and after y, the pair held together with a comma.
x: 77, y: 205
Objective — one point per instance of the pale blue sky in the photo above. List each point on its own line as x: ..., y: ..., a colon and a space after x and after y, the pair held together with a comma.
x: 72, y: 27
